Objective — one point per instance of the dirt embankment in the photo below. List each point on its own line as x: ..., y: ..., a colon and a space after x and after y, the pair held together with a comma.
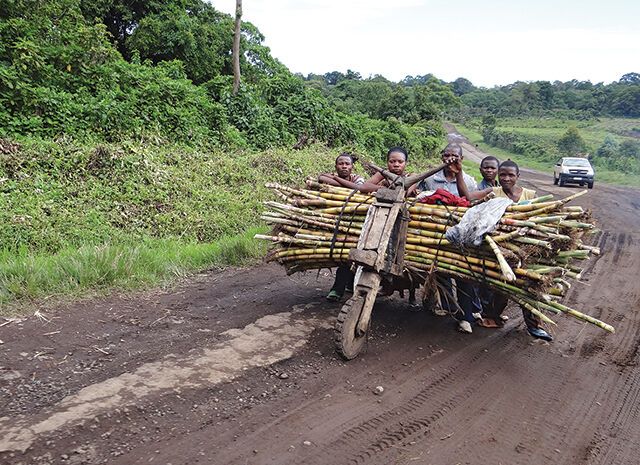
x: 238, y: 367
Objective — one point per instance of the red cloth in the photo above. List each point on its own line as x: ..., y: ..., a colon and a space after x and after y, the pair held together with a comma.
x: 443, y: 197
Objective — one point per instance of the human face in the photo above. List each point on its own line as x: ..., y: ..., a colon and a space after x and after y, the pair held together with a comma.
x: 396, y: 163
x: 489, y: 170
x: 450, y: 156
x: 508, y: 177
x: 344, y: 166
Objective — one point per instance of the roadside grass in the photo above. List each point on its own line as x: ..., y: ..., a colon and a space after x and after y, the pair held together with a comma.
x: 602, y: 175
x: 592, y: 131
x: 80, y: 218
x: 470, y: 167
x: 74, y: 272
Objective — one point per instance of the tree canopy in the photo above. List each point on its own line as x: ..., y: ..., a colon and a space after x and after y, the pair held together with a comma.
x: 574, y: 98
x: 113, y: 69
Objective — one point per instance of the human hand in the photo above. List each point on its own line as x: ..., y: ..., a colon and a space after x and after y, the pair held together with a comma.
x: 455, y: 166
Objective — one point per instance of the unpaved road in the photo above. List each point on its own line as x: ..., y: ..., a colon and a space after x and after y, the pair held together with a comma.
x: 238, y: 367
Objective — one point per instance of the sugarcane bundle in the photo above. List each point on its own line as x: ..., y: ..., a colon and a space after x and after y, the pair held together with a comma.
x: 529, y: 256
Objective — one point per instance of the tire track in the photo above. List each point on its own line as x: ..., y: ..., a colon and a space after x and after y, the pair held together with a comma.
x: 617, y: 442
x: 373, y: 438
x: 533, y: 443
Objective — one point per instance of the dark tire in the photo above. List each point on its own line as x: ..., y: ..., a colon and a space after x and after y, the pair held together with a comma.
x: 561, y: 182
x: 590, y: 185
x: 555, y: 180
x: 348, y: 343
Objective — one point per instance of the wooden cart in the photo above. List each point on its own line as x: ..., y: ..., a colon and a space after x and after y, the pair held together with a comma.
x: 378, y: 256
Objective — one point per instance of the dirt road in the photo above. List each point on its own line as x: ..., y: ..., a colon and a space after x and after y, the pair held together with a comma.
x: 238, y: 367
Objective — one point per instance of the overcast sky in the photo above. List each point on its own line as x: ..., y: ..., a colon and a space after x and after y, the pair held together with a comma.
x: 488, y: 42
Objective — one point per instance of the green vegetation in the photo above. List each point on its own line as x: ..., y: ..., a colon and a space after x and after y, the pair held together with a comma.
x: 127, y: 215
x: 603, y: 174
x: 569, y: 100
x: 413, y: 100
x: 126, y: 157
x: 72, y: 195
x: 75, y: 271
x: 113, y: 71
x: 541, y: 121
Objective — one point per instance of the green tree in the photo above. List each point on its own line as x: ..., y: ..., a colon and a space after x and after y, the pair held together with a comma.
x: 625, y: 100
x: 607, y: 153
x: 462, y: 86
x: 630, y: 78
x: 630, y: 149
x: 571, y: 143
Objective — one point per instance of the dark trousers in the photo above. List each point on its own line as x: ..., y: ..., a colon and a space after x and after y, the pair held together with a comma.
x: 344, y: 279
x: 468, y: 298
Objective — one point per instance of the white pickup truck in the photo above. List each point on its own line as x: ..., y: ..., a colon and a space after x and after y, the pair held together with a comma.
x: 573, y: 170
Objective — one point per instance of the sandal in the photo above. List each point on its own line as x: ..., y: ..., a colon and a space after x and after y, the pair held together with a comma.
x: 488, y: 323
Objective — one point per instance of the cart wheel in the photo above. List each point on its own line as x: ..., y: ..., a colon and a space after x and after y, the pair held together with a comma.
x: 348, y: 342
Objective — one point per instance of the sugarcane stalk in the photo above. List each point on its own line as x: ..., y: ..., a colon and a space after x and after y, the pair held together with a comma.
x: 345, y: 210
x: 532, y: 241
x: 306, y: 235
x: 543, y: 198
x: 449, y: 212
x: 575, y: 225
x: 582, y: 316
x: 507, y: 272
x: 573, y: 209
x: 341, y: 192
x: 579, y: 254
x: 293, y: 240
x: 528, y: 214
x: 547, y: 219
x: 527, y: 207
x: 304, y: 212
x: 592, y: 249
x: 534, y: 310
x: 510, y: 235
x: 428, y: 226
x: 432, y: 219
x: 291, y: 190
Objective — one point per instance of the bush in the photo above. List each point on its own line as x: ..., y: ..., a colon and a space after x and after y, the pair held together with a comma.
x: 571, y: 143
x: 526, y: 145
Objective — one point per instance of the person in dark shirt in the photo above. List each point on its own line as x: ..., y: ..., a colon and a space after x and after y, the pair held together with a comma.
x: 489, y: 171
x: 343, y: 177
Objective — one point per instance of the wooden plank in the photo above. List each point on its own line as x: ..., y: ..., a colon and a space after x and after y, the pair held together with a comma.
x: 373, y: 281
x: 377, y: 227
x: 389, y: 226
x: 401, y: 241
x: 363, y: 257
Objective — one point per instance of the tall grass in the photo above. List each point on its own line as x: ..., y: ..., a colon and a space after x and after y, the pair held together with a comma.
x: 74, y: 272
x: 78, y: 217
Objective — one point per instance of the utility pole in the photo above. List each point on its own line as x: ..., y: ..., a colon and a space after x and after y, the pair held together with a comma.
x: 236, y: 48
